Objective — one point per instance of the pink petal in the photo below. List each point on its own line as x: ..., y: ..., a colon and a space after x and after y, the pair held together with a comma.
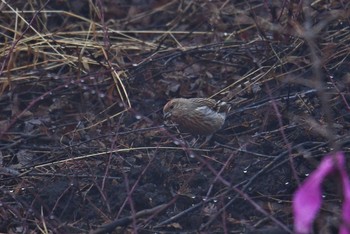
x: 345, y: 227
x: 307, y: 199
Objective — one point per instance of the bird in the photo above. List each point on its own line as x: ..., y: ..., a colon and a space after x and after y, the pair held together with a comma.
x: 197, y: 116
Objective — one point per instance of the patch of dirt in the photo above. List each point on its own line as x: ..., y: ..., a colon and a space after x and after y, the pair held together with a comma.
x: 83, y: 145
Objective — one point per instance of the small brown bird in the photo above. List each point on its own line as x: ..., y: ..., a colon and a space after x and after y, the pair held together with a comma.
x: 198, y: 116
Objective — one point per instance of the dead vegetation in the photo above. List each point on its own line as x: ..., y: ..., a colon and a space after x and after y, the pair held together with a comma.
x: 82, y: 86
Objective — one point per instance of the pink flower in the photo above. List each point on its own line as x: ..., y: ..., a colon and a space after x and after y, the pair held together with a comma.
x: 308, y: 198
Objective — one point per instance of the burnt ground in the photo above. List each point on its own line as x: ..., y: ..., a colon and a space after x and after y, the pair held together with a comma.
x: 83, y: 146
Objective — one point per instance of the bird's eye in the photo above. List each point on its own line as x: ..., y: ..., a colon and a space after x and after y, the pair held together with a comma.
x: 171, y: 107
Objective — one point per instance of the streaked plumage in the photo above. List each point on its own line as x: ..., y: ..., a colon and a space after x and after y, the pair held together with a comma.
x: 198, y: 116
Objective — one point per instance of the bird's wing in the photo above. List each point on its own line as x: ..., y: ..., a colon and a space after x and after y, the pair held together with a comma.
x: 199, y: 102
x: 205, y: 110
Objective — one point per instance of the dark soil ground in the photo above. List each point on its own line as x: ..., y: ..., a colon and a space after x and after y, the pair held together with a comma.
x: 83, y: 146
